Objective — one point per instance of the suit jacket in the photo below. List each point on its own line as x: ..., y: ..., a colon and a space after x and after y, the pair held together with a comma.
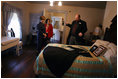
x: 81, y: 27
x: 41, y: 30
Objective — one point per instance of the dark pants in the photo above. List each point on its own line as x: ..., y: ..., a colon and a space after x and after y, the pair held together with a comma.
x: 41, y: 42
x: 74, y: 41
x: 48, y: 40
x: 68, y: 39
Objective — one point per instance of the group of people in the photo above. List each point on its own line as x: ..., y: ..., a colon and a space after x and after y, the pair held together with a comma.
x: 75, y: 37
x: 45, y: 32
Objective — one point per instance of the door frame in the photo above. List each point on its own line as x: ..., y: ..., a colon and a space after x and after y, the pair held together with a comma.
x: 65, y: 18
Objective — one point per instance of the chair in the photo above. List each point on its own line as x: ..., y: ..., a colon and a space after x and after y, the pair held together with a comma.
x: 7, y: 32
x: 19, y: 46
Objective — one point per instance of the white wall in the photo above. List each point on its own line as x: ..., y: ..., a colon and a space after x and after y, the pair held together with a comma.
x: 110, y: 12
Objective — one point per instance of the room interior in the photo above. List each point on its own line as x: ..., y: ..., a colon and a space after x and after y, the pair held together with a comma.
x: 19, y: 56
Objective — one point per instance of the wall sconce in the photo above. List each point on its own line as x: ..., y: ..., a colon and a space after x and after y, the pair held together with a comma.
x: 51, y: 3
x: 59, y: 3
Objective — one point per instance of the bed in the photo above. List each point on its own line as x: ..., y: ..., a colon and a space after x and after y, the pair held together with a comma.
x: 82, y: 66
x: 8, y: 42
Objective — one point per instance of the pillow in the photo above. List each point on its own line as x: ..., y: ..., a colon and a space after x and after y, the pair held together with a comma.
x: 112, y: 51
x: 101, y: 42
x: 111, y: 54
x: 111, y: 48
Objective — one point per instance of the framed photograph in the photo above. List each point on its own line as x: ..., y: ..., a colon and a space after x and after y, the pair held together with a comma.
x: 101, y: 49
x: 93, y: 48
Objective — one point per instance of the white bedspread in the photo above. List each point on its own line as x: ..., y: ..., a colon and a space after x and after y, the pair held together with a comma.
x: 8, y: 40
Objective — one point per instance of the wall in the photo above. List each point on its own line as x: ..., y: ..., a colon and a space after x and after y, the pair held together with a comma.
x: 1, y: 19
x: 58, y: 14
x: 110, y: 12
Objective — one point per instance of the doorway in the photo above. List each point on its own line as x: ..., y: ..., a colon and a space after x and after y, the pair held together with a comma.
x: 57, y: 18
x: 57, y: 28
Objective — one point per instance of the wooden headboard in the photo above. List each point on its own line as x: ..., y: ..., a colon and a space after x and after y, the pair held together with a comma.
x: 111, y: 33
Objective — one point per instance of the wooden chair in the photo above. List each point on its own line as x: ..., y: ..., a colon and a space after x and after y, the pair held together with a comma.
x: 19, y: 46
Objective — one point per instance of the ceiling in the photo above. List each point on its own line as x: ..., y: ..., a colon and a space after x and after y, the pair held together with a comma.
x: 90, y: 4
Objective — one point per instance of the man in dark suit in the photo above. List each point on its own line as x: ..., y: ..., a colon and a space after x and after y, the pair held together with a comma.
x: 77, y: 30
x: 41, y: 36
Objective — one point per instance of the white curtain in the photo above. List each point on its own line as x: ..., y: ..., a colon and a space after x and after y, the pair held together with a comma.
x: 8, y: 11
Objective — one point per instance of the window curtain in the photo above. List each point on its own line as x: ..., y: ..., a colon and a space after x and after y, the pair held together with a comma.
x: 19, y: 14
x: 8, y: 11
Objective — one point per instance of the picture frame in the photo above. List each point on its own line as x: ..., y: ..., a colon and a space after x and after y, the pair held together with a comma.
x: 93, y: 48
x: 101, y: 49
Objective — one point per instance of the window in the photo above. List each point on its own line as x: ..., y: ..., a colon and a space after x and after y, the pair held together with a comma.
x: 15, y: 25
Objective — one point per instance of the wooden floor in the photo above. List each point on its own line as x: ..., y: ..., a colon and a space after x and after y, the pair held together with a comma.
x: 14, y: 66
